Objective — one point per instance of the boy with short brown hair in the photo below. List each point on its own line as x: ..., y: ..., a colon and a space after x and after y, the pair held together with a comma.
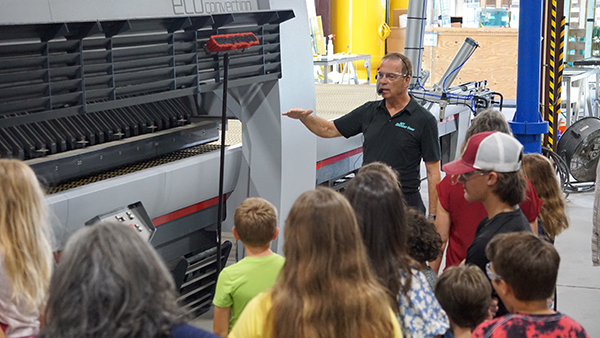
x: 523, y: 270
x: 464, y: 292
x: 256, y: 226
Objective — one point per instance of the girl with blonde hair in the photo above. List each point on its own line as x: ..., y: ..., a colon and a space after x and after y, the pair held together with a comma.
x: 540, y: 173
x: 325, y: 288
x: 26, y: 255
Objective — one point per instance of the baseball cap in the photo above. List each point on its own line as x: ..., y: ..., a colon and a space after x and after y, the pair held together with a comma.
x: 490, y: 150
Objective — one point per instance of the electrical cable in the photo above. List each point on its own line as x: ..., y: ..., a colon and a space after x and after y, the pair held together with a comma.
x: 424, y: 96
x: 564, y: 173
x: 448, y: 95
x: 501, y: 98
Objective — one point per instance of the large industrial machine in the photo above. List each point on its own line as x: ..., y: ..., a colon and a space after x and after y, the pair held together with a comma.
x: 112, y: 108
x: 120, y: 104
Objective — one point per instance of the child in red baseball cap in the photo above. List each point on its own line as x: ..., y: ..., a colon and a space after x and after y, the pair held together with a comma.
x: 489, y: 172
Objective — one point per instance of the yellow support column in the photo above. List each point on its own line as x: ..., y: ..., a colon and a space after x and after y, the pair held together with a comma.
x: 355, y: 24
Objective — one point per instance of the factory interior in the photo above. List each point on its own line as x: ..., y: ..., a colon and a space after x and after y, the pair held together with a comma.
x: 124, y: 112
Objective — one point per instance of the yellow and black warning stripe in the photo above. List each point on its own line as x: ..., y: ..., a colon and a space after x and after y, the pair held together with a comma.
x: 557, y: 41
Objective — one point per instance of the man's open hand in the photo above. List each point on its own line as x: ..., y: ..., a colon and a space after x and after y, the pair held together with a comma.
x: 297, y: 113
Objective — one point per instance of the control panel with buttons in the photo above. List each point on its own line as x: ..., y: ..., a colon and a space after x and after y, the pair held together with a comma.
x: 133, y: 215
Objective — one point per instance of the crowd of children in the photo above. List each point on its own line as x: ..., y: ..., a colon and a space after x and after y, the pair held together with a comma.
x: 357, y: 264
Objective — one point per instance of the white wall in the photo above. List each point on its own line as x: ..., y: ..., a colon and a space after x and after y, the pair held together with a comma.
x: 311, y: 8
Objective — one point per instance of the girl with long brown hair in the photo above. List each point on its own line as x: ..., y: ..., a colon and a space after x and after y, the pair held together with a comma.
x: 380, y: 209
x: 25, y: 252
x: 540, y: 173
x: 325, y: 288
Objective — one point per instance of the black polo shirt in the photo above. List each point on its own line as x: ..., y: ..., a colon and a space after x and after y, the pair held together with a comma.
x: 399, y: 141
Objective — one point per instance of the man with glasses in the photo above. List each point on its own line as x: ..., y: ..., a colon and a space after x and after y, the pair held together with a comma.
x: 489, y: 172
x: 397, y: 131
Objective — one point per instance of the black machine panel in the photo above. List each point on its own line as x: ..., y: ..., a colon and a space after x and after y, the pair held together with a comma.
x: 70, y: 86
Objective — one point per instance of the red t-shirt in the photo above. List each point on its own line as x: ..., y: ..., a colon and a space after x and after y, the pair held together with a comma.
x: 516, y: 325
x: 465, y: 216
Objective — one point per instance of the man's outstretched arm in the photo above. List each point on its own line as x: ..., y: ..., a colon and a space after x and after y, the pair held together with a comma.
x: 317, y: 125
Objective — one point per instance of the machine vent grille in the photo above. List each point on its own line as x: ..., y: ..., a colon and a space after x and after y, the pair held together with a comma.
x: 48, y: 71
x: 197, y: 289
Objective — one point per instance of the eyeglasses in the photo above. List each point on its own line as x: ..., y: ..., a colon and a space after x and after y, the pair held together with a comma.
x: 491, y: 275
x: 391, y: 76
x: 467, y: 176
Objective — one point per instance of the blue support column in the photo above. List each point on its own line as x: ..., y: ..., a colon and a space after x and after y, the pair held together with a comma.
x: 527, y: 124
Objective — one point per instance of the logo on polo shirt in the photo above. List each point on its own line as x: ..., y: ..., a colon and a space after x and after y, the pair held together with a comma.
x: 403, y: 125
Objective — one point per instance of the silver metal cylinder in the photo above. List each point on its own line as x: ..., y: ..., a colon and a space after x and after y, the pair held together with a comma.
x: 461, y: 56
x: 415, y: 30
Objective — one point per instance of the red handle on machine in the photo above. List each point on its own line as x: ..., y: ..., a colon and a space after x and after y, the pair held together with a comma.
x: 226, y: 42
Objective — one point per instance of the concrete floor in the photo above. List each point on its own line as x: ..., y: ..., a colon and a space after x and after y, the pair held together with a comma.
x: 578, y: 281
x: 205, y: 321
